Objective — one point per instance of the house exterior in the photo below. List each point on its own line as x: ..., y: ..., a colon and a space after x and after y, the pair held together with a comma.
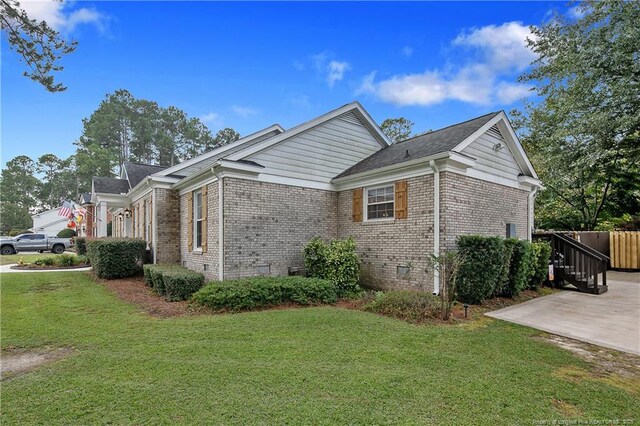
x: 49, y: 222
x: 249, y: 207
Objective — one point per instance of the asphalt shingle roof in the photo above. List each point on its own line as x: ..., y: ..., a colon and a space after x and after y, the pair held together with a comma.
x: 425, y: 145
x: 136, y: 172
x: 107, y: 185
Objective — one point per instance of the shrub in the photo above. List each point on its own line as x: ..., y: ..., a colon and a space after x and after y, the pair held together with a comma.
x: 67, y: 233
x: 482, y: 269
x: 336, y: 262
x: 45, y: 261
x: 540, y: 266
x: 82, y: 260
x: 157, y: 280
x: 116, y: 257
x: 503, y: 282
x: 81, y: 245
x: 261, y: 292
x: 316, y: 253
x: 180, y: 284
x: 448, y: 265
x: 413, y: 306
x: 146, y: 270
x: 66, y: 260
x: 16, y: 232
x: 519, y: 268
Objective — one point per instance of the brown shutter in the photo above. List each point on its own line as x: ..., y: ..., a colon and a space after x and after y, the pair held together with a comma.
x: 190, y: 221
x: 205, y: 214
x: 357, y: 205
x: 401, y: 199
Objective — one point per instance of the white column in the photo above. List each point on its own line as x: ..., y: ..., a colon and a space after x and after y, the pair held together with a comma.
x: 102, y: 219
x: 436, y: 223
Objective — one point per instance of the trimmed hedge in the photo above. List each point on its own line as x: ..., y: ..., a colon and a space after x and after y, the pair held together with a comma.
x: 67, y: 233
x: 520, y: 262
x: 173, y: 281
x: 81, y: 245
x: 116, y: 257
x: 482, y: 269
x: 262, y: 292
x: 336, y: 262
x: 540, y: 267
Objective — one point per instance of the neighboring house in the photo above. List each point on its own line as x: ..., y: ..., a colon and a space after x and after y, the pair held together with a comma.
x: 49, y: 222
x: 249, y: 207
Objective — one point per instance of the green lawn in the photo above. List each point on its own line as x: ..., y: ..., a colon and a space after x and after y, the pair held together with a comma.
x: 26, y: 258
x: 316, y: 365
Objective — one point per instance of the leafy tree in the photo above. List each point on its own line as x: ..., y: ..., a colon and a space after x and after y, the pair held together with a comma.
x: 397, y: 129
x: 224, y: 137
x: 19, y: 189
x: 39, y: 46
x: 583, y: 135
x: 59, y: 180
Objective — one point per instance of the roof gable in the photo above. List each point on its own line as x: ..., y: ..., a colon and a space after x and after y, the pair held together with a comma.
x: 421, y: 146
x: 136, y: 172
x: 107, y: 185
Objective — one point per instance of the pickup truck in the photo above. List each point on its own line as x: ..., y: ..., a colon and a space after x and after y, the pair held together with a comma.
x: 34, y: 242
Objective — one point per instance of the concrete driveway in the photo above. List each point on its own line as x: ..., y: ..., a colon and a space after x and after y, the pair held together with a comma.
x: 611, y: 319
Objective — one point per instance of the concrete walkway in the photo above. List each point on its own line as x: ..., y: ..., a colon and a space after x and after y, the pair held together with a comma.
x: 6, y: 269
x: 611, y: 319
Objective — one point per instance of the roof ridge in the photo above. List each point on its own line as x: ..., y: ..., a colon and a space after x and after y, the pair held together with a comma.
x: 143, y: 164
x: 450, y: 125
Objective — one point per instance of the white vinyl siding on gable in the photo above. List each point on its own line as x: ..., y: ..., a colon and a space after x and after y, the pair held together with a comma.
x: 496, y: 162
x: 320, y: 153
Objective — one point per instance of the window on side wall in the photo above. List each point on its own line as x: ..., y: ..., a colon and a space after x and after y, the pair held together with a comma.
x: 380, y: 202
x: 197, y: 219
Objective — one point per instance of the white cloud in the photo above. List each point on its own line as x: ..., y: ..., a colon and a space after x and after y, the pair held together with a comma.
x: 336, y: 71
x: 212, y: 119
x: 407, y: 51
x: 301, y: 101
x: 497, y: 52
x: 503, y: 47
x: 243, y: 111
x: 59, y: 15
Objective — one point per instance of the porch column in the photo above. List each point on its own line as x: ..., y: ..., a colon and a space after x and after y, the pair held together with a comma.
x: 102, y: 219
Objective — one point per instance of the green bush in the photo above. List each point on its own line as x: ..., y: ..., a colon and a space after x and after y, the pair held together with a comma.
x: 261, y: 292
x: 482, y: 269
x: 146, y: 270
x: 157, y: 282
x: 521, y: 260
x: 316, y: 253
x: 180, y: 284
x: 81, y: 245
x: 116, y: 257
x: 412, y: 306
x: 67, y: 233
x: 45, y: 261
x: 507, y: 254
x: 16, y: 232
x: 82, y: 260
x: 66, y: 260
x: 336, y: 262
x: 540, y: 267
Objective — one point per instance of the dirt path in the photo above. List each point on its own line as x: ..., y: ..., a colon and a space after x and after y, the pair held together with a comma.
x: 20, y: 361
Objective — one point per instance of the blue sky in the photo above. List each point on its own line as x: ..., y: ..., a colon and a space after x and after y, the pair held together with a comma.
x: 248, y: 65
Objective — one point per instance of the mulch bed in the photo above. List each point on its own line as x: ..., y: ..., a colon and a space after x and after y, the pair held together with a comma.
x: 47, y: 267
x: 134, y: 290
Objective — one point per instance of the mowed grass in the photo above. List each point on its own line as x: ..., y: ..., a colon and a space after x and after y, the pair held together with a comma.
x: 320, y: 365
x: 26, y: 258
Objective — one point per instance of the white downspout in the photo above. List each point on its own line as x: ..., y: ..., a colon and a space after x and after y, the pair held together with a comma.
x: 220, y: 229
x: 154, y: 224
x: 532, y: 200
x: 436, y: 223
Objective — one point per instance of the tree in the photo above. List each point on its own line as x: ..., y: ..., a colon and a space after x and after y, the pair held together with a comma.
x: 583, y: 135
x: 19, y: 188
x: 397, y: 129
x: 224, y: 137
x: 39, y: 45
x: 59, y: 180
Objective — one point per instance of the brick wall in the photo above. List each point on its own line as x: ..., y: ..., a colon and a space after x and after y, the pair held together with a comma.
x: 383, y: 246
x: 196, y: 260
x: 168, y: 226
x: 473, y: 206
x: 268, y: 224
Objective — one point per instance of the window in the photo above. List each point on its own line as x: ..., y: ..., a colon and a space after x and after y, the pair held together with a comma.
x: 380, y: 202
x: 197, y: 219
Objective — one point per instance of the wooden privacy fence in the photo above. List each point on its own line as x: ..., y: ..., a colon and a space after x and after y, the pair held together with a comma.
x: 623, y: 248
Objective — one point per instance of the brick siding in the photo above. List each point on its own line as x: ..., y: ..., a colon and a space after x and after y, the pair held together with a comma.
x: 385, y: 245
x: 168, y: 226
x: 268, y: 224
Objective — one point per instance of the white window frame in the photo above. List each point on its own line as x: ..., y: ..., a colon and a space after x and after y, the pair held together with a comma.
x: 366, y: 204
x: 197, y: 247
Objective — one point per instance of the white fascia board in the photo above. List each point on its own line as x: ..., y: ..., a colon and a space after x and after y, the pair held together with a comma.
x: 353, y: 106
x: 148, y: 183
x: 500, y: 180
x: 220, y: 150
x: 226, y: 165
x: 290, y: 181
x: 115, y: 199
x: 202, y: 180
x: 529, y: 181
x: 511, y: 140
